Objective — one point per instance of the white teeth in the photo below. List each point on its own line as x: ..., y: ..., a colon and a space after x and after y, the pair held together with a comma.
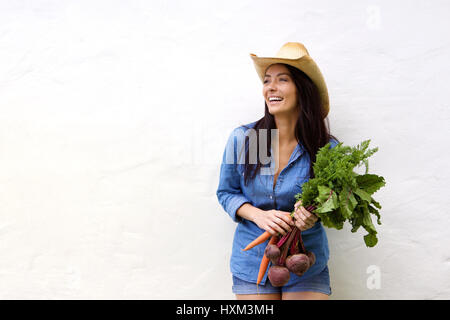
x: 275, y: 99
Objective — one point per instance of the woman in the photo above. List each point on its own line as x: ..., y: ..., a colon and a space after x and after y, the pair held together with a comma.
x: 296, y: 104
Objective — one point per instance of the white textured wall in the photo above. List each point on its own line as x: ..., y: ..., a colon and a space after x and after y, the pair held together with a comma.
x: 114, y: 116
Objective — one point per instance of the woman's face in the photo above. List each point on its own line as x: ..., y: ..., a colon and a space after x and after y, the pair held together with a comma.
x: 278, y: 83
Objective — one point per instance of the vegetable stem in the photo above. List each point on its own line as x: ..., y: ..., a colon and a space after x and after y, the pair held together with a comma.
x: 286, y: 246
x: 282, y: 240
x: 301, y: 241
x: 294, y: 244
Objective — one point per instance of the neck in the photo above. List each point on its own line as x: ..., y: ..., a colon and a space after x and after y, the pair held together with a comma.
x: 286, y: 129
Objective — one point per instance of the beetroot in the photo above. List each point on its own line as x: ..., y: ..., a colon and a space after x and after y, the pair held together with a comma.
x: 278, y: 276
x: 272, y: 252
x: 298, y: 263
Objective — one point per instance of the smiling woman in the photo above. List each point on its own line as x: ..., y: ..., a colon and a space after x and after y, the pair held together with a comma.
x: 296, y: 106
x: 279, y: 91
x: 301, y: 110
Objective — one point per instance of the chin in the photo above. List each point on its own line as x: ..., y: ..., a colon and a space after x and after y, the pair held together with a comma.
x: 275, y: 110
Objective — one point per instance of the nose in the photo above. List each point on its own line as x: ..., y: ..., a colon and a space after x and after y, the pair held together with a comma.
x: 271, y: 86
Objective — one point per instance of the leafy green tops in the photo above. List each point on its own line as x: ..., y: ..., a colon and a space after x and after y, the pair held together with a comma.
x: 339, y: 194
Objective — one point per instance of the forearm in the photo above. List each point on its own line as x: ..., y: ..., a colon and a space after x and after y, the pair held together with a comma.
x: 247, y: 211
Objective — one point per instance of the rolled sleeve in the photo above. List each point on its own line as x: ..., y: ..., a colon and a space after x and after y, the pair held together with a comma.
x: 333, y: 143
x: 229, y: 192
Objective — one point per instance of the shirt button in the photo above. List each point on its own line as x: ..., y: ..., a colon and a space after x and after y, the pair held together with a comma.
x: 270, y: 197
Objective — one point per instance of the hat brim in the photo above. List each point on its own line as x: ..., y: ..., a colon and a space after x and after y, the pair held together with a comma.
x: 305, y: 64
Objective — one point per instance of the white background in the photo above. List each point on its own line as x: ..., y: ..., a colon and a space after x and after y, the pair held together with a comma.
x: 114, y: 116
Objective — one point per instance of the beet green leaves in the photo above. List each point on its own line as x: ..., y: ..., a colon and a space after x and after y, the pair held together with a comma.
x: 339, y: 194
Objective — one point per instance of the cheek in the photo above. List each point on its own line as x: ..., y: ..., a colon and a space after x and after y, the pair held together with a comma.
x: 296, y: 100
x: 293, y: 98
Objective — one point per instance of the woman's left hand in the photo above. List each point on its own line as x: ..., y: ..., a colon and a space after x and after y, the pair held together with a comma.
x: 303, y: 219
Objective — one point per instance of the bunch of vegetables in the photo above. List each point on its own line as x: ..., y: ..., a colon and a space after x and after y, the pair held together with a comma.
x: 336, y: 194
x: 298, y: 261
x: 287, y: 254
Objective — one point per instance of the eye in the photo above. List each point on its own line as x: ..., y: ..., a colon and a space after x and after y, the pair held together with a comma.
x: 283, y: 79
x: 265, y: 81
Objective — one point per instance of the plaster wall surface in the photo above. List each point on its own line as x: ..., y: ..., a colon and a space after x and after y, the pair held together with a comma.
x: 114, y: 117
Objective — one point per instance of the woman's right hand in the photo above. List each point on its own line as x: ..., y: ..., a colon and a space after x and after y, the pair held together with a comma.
x: 274, y: 221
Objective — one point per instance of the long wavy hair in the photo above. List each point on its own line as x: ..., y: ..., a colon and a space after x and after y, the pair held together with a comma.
x: 311, y: 130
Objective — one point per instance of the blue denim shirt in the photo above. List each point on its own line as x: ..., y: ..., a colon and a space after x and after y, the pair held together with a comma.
x: 232, y: 193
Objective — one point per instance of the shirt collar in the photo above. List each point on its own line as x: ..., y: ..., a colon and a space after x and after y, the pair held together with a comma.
x: 298, y: 151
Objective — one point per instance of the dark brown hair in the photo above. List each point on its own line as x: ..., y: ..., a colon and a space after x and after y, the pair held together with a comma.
x: 312, y: 131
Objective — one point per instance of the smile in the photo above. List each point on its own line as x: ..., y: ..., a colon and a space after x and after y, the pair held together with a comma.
x: 275, y: 100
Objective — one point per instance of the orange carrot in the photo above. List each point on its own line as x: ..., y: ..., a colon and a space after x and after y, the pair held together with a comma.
x: 265, y: 262
x: 263, y: 237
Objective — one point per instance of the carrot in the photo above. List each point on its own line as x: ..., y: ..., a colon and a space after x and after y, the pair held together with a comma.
x: 263, y: 237
x: 265, y: 262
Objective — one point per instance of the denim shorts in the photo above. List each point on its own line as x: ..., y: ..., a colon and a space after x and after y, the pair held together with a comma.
x: 319, y: 283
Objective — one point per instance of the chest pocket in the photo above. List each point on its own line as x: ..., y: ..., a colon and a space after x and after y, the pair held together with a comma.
x: 301, y: 176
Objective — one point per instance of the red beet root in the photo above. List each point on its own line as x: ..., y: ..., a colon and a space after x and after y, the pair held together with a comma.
x: 298, y: 263
x: 278, y: 276
x: 272, y: 252
x: 274, y: 262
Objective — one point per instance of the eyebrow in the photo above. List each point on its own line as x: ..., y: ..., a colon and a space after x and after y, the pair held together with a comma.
x: 267, y: 75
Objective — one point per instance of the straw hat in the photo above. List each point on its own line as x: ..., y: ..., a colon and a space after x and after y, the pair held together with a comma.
x: 296, y: 55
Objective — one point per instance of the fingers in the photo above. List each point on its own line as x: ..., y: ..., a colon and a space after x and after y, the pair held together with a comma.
x: 308, y: 215
x: 304, y: 219
x: 286, y: 217
x: 302, y: 225
x: 277, y: 229
x: 271, y: 231
x: 297, y: 204
x: 299, y: 215
x: 281, y: 222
